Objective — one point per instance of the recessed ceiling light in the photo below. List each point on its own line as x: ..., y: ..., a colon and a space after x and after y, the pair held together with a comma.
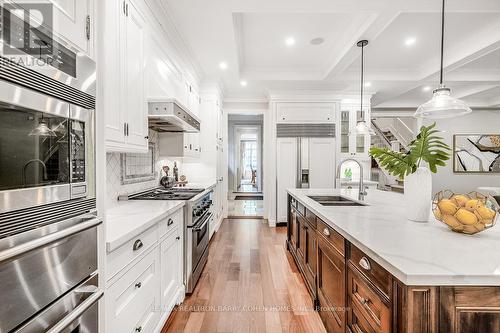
x: 243, y: 83
x: 290, y: 41
x: 223, y: 65
x: 426, y: 88
x: 317, y: 41
x: 410, y: 41
x: 368, y: 84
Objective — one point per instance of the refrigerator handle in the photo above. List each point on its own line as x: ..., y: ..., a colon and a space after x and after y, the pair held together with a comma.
x: 299, y: 161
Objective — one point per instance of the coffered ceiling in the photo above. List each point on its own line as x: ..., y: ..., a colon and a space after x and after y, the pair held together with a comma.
x: 273, y: 46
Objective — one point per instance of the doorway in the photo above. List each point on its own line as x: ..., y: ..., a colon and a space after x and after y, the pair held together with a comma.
x: 245, y: 166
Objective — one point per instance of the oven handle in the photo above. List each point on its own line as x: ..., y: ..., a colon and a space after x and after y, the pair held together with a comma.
x: 76, y: 313
x: 36, y: 243
x: 204, y: 223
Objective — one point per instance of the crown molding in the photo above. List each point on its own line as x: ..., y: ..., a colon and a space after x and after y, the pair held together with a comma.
x: 167, y: 22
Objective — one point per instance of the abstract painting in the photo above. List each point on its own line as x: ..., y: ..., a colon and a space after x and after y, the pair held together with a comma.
x: 476, y: 153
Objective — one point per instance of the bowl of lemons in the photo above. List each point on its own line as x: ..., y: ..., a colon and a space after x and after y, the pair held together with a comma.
x: 466, y: 213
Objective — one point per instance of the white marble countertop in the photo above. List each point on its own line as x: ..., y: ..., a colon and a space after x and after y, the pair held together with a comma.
x: 127, y: 219
x: 416, y: 253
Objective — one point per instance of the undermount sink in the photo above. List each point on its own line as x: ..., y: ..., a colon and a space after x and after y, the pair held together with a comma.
x: 334, y: 200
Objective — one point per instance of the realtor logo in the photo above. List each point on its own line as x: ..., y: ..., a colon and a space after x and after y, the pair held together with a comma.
x: 25, y: 28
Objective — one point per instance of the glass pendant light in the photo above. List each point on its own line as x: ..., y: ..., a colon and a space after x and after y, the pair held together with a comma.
x: 442, y: 105
x: 362, y: 128
x: 42, y: 130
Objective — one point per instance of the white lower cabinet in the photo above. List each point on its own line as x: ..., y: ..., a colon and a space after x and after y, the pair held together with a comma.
x: 171, y: 275
x: 141, y: 295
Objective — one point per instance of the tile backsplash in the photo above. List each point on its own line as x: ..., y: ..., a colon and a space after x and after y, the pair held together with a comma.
x: 114, y: 184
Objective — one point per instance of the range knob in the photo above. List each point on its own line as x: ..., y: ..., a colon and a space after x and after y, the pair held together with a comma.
x: 198, y: 212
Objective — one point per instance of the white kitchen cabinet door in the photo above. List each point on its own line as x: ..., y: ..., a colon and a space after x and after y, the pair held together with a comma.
x: 136, y: 105
x: 322, y: 163
x: 305, y: 112
x: 171, y: 268
x: 286, y: 173
x: 112, y: 69
x: 69, y: 21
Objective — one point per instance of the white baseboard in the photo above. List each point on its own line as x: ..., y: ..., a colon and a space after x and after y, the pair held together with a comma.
x: 272, y: 223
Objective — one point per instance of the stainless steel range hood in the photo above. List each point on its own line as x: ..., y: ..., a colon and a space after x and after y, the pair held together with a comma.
x: 169, y: 115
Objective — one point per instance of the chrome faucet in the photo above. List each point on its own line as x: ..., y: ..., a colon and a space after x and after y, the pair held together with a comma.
x: 362, y: 191
x: 36, y: 160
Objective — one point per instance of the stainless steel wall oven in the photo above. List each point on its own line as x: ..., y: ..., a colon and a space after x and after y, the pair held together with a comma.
x: 48, y: 218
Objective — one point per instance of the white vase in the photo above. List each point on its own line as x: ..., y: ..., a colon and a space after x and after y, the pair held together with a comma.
x: 418, y: 195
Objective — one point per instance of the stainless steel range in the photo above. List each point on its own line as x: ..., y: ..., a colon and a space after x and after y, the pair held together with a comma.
x: 197, y: 219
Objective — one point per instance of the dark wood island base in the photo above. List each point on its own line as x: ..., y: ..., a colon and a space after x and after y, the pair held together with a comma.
x: 354, y: 294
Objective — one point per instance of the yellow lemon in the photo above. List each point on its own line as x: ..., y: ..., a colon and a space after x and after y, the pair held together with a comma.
x: 437, y: 214
x: 479, y: 227
x: 469, y: 229
x: 485, y: 212
x: 473, y: 204
x: 451, y: 221
x: 466, y: 217
x: 460, y: 199
x: 447, y: 207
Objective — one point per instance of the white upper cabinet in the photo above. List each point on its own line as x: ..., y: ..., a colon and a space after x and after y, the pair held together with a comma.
x: 305, y: 112
x: 136, y: 105
x: 125, y: 103
x: 72, y: 21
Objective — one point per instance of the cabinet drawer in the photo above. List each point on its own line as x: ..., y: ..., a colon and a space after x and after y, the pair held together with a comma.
x: 358, y: 324
x: 365, y: 297
x: 371, y: 270
x: 148, y: 321
x: 171, y: 222
x: 125, y: 254
x: 134, y: 294
x: 333, y: 238
x: 311, y: 218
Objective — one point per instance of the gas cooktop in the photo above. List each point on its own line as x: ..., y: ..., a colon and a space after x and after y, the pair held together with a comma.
x: 167, y: 194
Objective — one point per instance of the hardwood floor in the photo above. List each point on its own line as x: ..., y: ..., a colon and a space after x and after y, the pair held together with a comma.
x: 250, y: 284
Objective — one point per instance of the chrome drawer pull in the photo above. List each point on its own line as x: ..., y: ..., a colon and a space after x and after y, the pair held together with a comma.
x: 178, y: 237
x: 137, y: 245
x: 326, y: 232
x: 138, y: 285
x: 364, y: 301
x: 138, y: 329
x: 170, y: 222
x: 365, y: 264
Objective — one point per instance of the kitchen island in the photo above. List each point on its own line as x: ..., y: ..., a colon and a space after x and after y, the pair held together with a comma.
x: 369, y: 269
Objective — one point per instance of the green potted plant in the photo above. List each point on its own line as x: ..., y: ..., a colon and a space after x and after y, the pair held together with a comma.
x: 426, y: 153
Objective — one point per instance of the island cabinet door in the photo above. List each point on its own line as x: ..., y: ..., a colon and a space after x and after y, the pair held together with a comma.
x: 310, y: 248
x: 469, y: 309
x: 301, y: 236
x: 331, y: 287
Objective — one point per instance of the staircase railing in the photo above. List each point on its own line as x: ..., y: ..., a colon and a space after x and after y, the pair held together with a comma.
x: 403, y: 132
x: 385, y: 141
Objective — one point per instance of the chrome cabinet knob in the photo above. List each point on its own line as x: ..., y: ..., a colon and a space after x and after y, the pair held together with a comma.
x: 137, y: 245
x: 365, y: 264
x: 138, y: 329
x: 326, y: 232
x: 138, y: 285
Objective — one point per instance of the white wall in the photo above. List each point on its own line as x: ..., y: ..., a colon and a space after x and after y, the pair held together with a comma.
x: 478, y: 122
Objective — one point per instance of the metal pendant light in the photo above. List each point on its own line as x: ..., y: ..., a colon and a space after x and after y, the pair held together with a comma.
x: 42, y: 130
x: 362, y: 127
x: 442, y: 105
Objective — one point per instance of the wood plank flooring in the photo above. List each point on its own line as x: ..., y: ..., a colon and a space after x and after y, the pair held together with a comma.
x: 250, y: 284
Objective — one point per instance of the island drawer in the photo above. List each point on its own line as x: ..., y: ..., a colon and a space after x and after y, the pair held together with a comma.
x: 331, y: 236
x: 371, y: 270
x: 364, y: 297
x: 311, y: 218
